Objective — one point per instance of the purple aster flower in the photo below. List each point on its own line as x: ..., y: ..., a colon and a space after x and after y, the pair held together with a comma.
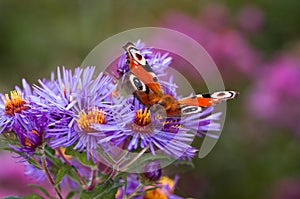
x: 22, y: 115
x: 143, y: 128
x: 15, y: 106
x: 76, y: 103
x: 30, y: 133
x: 172, y: 136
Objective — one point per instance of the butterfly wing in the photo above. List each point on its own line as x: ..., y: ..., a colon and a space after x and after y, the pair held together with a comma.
x: 145, y: 86
x: 194, y: 104
x: 141, y: 69
x: 130, y: 84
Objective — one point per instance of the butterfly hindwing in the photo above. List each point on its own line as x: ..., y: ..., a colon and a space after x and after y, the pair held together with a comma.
x: 204, y: 100
x: 187, y: 109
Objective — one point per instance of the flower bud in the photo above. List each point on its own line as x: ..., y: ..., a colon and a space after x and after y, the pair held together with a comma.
x: 152, y: 173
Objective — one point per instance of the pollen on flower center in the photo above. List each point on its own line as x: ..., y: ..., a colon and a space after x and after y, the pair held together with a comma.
x: 168, y: 182
x: 155, y: 194
x: 143, y: 118
x: 86, y: 119
x: 14, y: 103
x: 166, y: 187
x: 142, y: 122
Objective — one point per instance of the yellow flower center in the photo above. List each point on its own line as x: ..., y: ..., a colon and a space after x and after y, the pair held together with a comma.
x: 155, y: 194
x: 14, y: 103
x: 142, y: 122
x: 86, y: 119
x: 143, y: 118
x: 167, y: 182
x: 160, y: 193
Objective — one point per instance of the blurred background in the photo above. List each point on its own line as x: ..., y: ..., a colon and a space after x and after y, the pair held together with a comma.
x: 255, y: 44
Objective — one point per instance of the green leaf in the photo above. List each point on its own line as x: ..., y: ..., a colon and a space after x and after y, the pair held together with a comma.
x: 7, y: 149
x: 33, y: 162
x: 125, y: 181
x: 79, y: 155
x: 185, y: 163
x: 61, y: 173
x: 72, y: 174
x: 10, y: 137
x: 33, y: 196
x: 50, y: 153
x: 42, y: 189
x: 70, y: 195
x: 50, y: 150
x: 107, y: 191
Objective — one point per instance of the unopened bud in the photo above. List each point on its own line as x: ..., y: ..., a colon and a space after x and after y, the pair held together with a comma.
x: 152, y: 173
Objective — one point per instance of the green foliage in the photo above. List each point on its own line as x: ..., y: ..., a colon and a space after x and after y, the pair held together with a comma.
x: 42, y: 189
x: 62, y: 171
x: 70, y: 194
x: 107, y: 190
x: 33, y: 196
x: 81, y: 156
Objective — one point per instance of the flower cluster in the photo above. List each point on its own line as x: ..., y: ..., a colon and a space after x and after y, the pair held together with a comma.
x: 78, y: 119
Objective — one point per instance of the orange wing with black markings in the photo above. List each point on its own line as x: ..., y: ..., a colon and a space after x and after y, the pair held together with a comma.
x: 205, y: 100
x: 144, y: 84
x: 141, y: 69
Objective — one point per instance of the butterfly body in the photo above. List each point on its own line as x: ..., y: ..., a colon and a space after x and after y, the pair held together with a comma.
x: 146, y: 88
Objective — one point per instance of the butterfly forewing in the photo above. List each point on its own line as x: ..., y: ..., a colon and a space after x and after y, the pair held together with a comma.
x: 141, y: 69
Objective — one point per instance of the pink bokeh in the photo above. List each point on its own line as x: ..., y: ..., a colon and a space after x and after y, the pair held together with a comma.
x: 13, y: 181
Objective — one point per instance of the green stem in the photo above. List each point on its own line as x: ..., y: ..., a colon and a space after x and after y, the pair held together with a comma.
x: 49, y: 177
x: 125, y: 186
x: 62, y: 155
